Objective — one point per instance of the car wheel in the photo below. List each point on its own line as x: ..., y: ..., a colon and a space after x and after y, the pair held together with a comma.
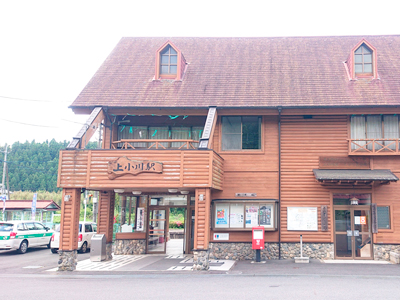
x: 83, y: 248
x: 54, y: 250
x: 23, y: 247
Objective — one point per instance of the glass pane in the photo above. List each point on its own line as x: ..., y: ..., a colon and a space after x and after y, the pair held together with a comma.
x: 343, y: 245
x: 344, y: 199
x: 251, y: 133
x: 266, y: 216
x: 165, y: 50
x: 171, y: 200
x: 358, y: 58
x: 156, y: 239
x: 342, y: 220
x: 363, y: 245
x: 174, y: 59
x: 358, y: 51
x: 164, y: 69
x: 362, y: 221
x: 172, y: 70
x: 236, y: 216
x: 367, y: 58
x: 367, y: 68
x: 366, y: 50
x: 383, y: 217
x: 221, y: 215
x: 164, y: 59
x: 172, y: 50
x: 251, y: 216
x: 358, y: 68
x: 231, y: 141
x: 231, y: 125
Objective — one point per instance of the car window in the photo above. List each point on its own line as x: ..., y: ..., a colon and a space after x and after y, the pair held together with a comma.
x: 30, y: 226
x: 6, y: 226
x: 21, y: 226
x: 94, y: 227
x: 39, y: 226
x: 88, y: 228
x: 57, y: 228
x: 80, y: 227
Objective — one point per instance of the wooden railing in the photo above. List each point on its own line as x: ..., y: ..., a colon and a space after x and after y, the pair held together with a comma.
x: 374, y: 146
x: 153, y: 144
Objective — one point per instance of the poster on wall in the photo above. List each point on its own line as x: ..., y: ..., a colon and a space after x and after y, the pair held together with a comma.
x: 236, y: 217
x: 140, y: 219
x: 302, y: 218
x: 221, y: 213
x: 266, y: 215
x: 251, y: 216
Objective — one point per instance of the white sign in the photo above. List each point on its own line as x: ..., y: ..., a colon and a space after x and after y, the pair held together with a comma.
x: 221, y: 236
x: 302, y: 218
x: 140, y: 219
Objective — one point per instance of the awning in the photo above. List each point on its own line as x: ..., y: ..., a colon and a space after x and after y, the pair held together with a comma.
x: 354, y: 177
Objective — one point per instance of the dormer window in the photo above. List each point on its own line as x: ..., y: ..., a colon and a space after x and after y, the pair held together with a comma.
x: 363, y: 60
x: 170, y: 63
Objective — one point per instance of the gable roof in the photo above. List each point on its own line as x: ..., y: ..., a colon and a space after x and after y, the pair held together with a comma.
x: 245, y: 72
x: 27, y: 204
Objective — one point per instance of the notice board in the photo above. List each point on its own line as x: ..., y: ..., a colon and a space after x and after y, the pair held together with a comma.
x: 302, y: 218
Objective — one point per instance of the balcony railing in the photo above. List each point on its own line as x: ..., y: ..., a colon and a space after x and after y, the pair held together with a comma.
x: 374, y: 147
x: 128, y: 144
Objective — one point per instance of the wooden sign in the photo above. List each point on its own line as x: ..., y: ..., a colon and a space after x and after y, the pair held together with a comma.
x: 246, y: 195
x: 124, y: 165
x: 374, y: 217
x: 324, y: 218
x: 334, y: 162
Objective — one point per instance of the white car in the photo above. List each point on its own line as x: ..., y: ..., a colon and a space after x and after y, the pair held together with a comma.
x: 21, y: 235
x: 86, y: 231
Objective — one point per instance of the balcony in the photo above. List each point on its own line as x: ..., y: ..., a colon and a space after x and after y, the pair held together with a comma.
x: 155, y: 144
x: 374, y: 146
x: 97, y: 169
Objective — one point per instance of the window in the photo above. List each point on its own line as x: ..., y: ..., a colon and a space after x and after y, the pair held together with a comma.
x: 241, y: 133
x: 383, y: 213
x: 243, y: 215
x: 168, y: 61
x: 383, y: 127
x: 363, y: 60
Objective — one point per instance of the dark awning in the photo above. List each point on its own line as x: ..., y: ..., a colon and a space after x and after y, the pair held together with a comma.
x: 354, y: 177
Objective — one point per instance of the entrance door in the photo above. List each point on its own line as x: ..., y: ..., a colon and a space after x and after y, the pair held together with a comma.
x: 353, y: 233
x: 156, y: 240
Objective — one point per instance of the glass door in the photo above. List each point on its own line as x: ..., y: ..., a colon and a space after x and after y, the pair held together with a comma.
x: 156, y: 239
x: 353, y: 233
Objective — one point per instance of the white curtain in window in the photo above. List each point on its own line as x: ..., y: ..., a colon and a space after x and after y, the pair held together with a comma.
x: 374, y: 131
x: 141, y: 133
x: 357, y: 128
x: 231, y: 133
x: 391, y: 130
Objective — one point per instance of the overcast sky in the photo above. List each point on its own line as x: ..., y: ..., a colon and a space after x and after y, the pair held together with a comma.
x: 49, y: 50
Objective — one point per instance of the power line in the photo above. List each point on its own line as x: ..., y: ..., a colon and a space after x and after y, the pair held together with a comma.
x: 28, y: 124
x: 33, y: 100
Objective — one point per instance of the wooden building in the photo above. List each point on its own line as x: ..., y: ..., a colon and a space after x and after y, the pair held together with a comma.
x: 299, y: 135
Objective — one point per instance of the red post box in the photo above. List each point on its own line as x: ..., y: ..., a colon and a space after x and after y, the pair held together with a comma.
x: 258, y: 237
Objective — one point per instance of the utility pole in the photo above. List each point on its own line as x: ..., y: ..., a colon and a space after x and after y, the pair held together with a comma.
x: 3, y: 190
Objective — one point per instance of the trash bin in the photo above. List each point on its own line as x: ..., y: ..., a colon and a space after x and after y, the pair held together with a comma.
x: 98, y: 247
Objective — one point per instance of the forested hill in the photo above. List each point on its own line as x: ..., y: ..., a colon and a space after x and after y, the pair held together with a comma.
x: 34, y: 166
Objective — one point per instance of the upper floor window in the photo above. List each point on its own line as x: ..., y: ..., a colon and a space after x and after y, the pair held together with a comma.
x: 241, y: 133
x: 384, y: 129
x: 168, y: 61
x: 363, y: 60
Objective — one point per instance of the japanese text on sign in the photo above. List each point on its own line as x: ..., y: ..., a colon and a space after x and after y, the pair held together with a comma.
x: 123, y: 166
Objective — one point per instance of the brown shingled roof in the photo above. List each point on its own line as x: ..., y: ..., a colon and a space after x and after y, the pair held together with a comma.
x: 245, y: 72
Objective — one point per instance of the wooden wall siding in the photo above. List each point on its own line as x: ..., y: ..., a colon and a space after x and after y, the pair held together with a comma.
x: 70, y: 219
x: 106, y: 214
x: 251, y: 171
x: 202, y: 219
x: 302, y: 142
x: 180, y: 169
x: 388, y: 194
x: 217, y: 175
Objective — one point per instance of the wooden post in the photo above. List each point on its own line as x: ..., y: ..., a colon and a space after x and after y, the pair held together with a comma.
x: 106, y: 214
x: 202, y: 219
x: 70, y: 208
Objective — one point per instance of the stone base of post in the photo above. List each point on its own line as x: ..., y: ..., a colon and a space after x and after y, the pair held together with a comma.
x: 109, y: 247
x: 201, y: 260
x: 67, y: 260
